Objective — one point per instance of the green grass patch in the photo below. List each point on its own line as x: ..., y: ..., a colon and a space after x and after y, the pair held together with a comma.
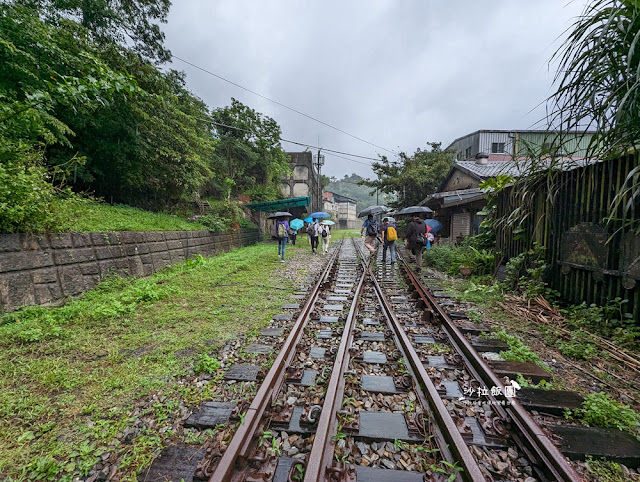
x: 518, y: 351
x: 69, y: 376
x: 87, y: 216
x: 600, y: 410
x: 449, y: 259
x: 605, y: 471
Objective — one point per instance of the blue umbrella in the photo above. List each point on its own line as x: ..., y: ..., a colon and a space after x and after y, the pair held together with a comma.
x: 433, y: 224
x: 308, y: 220
x: 320, y: 214
x: 296, y: 223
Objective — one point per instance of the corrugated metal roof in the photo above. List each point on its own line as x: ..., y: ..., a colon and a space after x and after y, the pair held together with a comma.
x: 516, y: 168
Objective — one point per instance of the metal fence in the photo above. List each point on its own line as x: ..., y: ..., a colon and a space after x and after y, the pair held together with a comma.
x: 589, y: 259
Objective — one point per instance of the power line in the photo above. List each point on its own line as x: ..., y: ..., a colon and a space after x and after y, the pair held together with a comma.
x: 352, y: 160
x: 282, y: 105
x: 331, y: 151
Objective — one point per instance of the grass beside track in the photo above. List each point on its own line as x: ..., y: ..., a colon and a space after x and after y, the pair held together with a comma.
x: 71, y: 376
x: 87, y: 216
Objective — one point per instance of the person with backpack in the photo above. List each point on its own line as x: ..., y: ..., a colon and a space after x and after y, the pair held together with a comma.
x: 314, y: 230
x: 416, y: 238
x: 371, y: 228
x: 389, y: 236
x: 293, y: 234
x: 325, y: 235
x: 282, y: 232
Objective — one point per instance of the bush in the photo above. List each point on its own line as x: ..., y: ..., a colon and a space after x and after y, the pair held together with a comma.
x: 25, y: 194
x: 449, y: 258
x: 224, y: 215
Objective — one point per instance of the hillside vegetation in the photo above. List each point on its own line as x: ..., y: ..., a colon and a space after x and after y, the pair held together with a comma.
x: 85, y: 107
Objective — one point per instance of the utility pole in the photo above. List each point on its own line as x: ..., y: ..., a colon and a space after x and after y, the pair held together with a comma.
x: 319, y: 164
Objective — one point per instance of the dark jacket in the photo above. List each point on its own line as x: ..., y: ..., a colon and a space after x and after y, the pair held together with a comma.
x: 414, y: 228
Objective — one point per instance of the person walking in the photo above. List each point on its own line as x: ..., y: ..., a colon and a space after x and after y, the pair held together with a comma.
x: 325, y: 235
x: 293, y: 235
x: 416, y: 239
x: 282, y: 232
x: 314, y: 229
x: 389, y: 235
x: 371, y: 228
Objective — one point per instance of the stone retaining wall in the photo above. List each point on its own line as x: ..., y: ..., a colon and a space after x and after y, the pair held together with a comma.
x: 40, y: 270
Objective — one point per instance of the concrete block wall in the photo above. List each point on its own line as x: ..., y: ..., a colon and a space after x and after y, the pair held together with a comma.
x: 46, y: 269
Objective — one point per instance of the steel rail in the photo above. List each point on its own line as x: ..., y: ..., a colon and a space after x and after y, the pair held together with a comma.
x: 457, y: 445
x: 537, y: 442
x: 321, y: 454
x: 233, y: 463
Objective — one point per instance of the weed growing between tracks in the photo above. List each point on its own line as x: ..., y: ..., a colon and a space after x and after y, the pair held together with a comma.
x: 70, y: 376
x: 572, y: 356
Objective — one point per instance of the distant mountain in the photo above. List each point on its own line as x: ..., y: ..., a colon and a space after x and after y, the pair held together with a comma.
x: 348, y: 186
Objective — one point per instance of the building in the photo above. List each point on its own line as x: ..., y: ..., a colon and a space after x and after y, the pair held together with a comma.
x: 341, y: 208
x: 303, y: 180
x: 459, y: 199
x: 501, y: 145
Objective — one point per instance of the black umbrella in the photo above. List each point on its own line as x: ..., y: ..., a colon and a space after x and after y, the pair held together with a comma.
x: 416, y: 210
x: 373, y: 210
x: 280, y: 214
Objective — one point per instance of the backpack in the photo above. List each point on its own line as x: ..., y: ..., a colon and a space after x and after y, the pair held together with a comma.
x: 392, y: 234
x: 324, y: 232
x: 421, y: 239
x: 282, y: 230
x: 372, y: 229
x: 313, y: 230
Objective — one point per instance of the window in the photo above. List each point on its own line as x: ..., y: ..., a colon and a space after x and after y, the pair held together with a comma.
x: 467, y: 153
x: 497, y: 147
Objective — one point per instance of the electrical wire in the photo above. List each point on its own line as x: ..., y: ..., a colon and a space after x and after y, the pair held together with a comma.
x: 282, y: 105
x: 331, y: 151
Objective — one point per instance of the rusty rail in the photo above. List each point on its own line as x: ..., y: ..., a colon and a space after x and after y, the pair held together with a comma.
x: 234, y: 462
x: 321, y: 455
x: 456, y: 444
x: 552, y: 461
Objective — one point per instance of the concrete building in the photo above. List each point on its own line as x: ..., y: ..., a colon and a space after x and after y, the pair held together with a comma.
x: 342, y: 210
x: 303, y: 181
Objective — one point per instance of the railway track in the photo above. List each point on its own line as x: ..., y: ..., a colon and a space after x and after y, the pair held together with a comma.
x: 376, y: 380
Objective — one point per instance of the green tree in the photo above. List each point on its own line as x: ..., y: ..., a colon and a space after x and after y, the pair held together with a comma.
x: 249, y: 157
x: 129, y: 23
x: 598, y: 85
x: 151, y: 151
x: 411, y: 178
x: 32, y: 87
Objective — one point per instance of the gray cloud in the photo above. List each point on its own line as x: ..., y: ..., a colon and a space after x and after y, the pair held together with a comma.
x: 396, y: 73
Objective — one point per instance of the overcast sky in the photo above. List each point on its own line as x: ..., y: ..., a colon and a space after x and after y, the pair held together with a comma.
x: 396, y: 73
